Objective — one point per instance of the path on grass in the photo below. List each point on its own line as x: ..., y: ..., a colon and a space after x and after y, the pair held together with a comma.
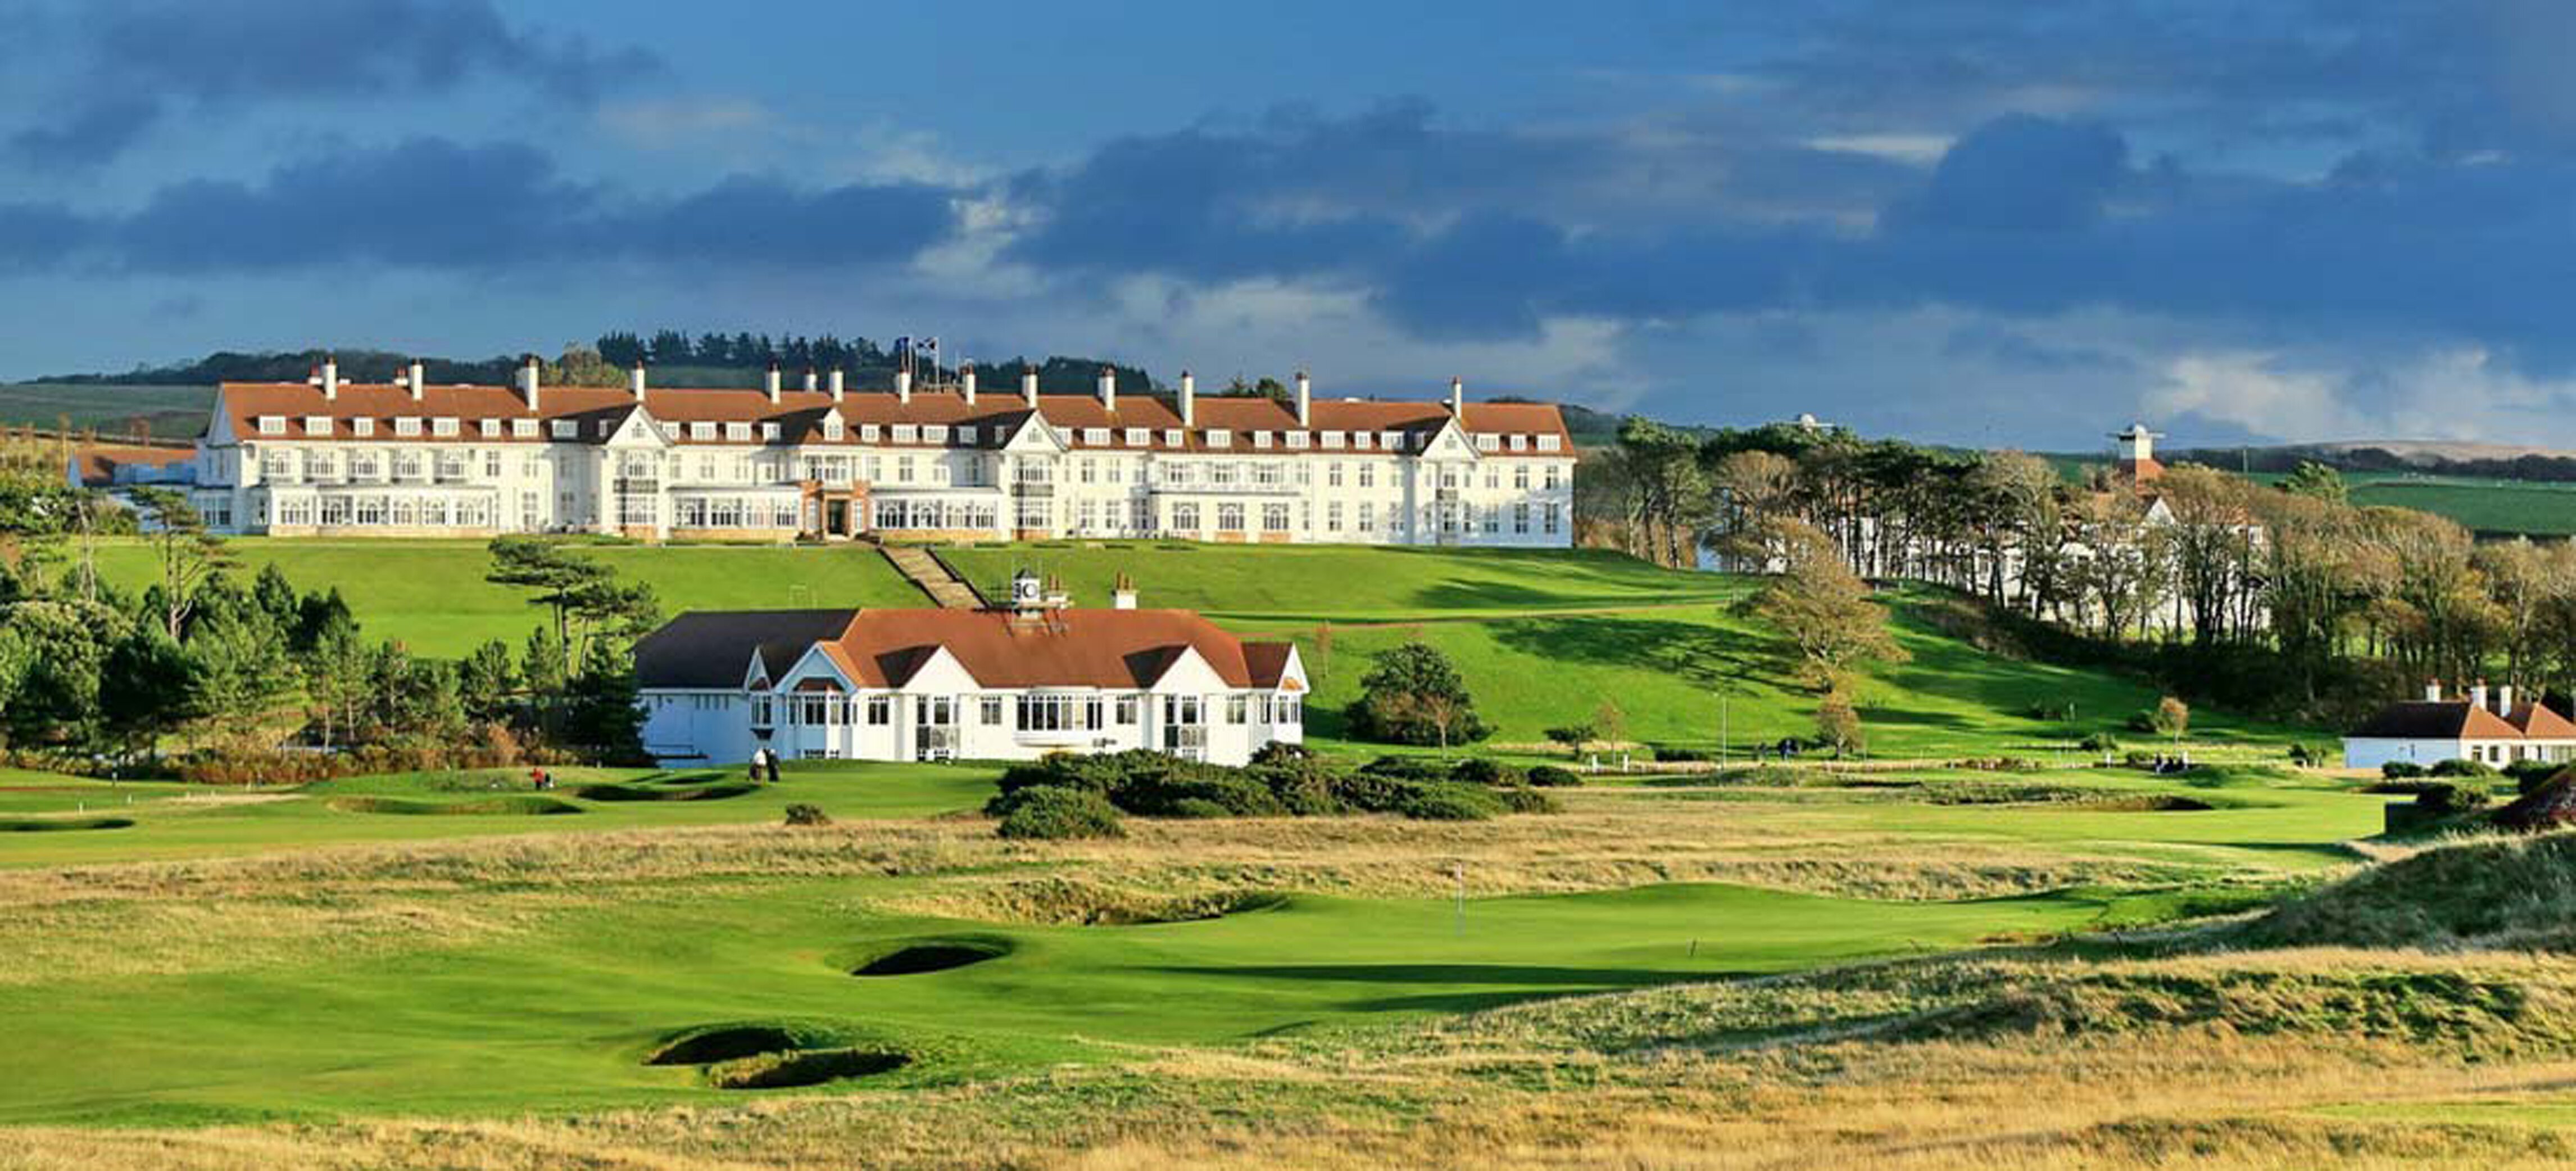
x: 919, y: 567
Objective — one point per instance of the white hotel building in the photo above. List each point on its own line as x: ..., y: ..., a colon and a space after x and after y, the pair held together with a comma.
x: 327, y: 457
x: 1012, y: 682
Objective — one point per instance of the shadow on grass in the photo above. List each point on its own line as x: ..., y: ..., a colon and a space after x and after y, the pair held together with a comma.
x: 1702, y: 654
x: 1526, y: 974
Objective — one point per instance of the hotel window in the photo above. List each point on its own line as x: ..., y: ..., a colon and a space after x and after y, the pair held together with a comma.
x: 365, y: 465
x: 371, y: 510
x: 1274, y: 518
x: 934, y: 433
x: 1185, y: 517
x: 1175, y: 438
x: 322, y: 465
x: 1548, y: 443
x: 1333, y: 516
x: 1489, y: 442
x: 990, y: 711
x: 335, y: 510
x: 443, y: 427
x: 451, y: 465
x: 1493, y: 518
x: 1287, y: 709
x: 1550, y: 516
x: 1368, y: 516
x: 1551, y: 477
x: 490, y: 428
x: 407, y: 465
x: 868, y: 433
x: 1391, y: 440
x: 296, y: 510
x: 761, y: 712
x: 1058, y: 713
x: 272, y: 424
x: 1236, y: 708
x: 1267, y: 473
x: 906, y: 433
x: 1221, y: 474
x: 880, y: 710
x: 1297, y: 440
x: 1261, y: 440
x: 317, y: 425
x: 1360, y: 440
x: 566, y: 429
x: 702, y: 430
x: 1229, y: 518
x: 1520, y: 443
x: 738, y: 432
x: 1126, y: 710
x: 1368, y: 475
x: 1219, y: 437
x: 1095, y: 436
x: 362, y: 427
x: 1520, y: 477
x: 523, y: 428
x: 1333, y: 474
x: 769, y: 432
x: 406, y: 426
x: 1493, y: 477
x: 277, y: 465
x: 903, y: 469
x: 1138, y: 437
x: 491, y: 465
x: 1333, y: 440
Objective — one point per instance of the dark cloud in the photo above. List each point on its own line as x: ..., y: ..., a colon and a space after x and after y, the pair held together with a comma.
x: 2020, y: 173
x: 437, y: 205
x: 130, y: 64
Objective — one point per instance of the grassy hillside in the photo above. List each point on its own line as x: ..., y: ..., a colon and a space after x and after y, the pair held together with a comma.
x: 432, y: 596
x: 174, y: 412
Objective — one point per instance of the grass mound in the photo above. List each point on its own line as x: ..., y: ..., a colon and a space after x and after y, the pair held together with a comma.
x: 1073, y: 902
x: 511, y: 805
x: 612, y: 791
x: 38, y: 825
x: 2507, y: 892
x: 2455, y: 1009
x: 933, y: 955
x: 807, y: 1067
x: 733, y: 1041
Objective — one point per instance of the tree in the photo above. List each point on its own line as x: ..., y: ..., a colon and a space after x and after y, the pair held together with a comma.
x: 1838, y: 724
x: 2316, y: 481
x: 239, y: 670
x: 2172, y: 717
x: 187, y: 553
x: 603, y: 710
x: 1821, y: 611
x: 487, y: 680
x: 1611, y: 721
x: 147, y: 686
x: 1412, y: 694
x: 1572, y: 736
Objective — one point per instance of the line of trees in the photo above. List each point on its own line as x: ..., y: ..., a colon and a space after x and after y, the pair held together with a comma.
x: 2281, y: 598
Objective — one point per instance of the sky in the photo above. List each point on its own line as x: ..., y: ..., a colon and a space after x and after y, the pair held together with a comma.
x: 1958, y: 221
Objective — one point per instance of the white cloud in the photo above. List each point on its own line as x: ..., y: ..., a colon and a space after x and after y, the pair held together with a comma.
x: 1922, y: 149
x: 664, y: 123
x: 2457, y: 393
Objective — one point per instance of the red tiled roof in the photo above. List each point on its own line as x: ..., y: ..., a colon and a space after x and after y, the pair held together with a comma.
x: 2539, y: 722
x: 1078, y: 648
x: 800, y: 413
x: 2445, y: 719
x: 97, y: 463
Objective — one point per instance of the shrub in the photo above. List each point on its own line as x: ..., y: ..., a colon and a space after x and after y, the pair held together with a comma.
x: 1523, y: 799
x: 2400, y: 769
x: 2529, y: 781
x: 1478, y: 770
x: 1053, y: 813
x: 1197, y: 808
x: 1412, y: 694
x: 1449, y: 801
x: 1572, y: 736
x: 1409, y: 768
x: 1281, y: 752
x: 2100, y: 742
x: 2460, y: 768
x: 1232, y: 796
x: 801, y: 813
x: 1548, y: 776
x: 1676, y: 753
x: 2446, y: 798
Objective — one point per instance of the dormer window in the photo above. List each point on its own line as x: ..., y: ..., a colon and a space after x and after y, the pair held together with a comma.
x: 406, y: 426
x: 1139, y: 437
x: 1297, y: 440
x: 317, y: 424
x: 738, y: 432
x: 566, y: 429
x: 1334, y: 440
x: 362, y: 427
x: 868, y: 433
x: 491, y: 428
x: 702, y: 430
x: 1489, y: 442
x: 1175, y: 438
x: 272, y: 424
x: 906, y: 433
x: 1261, y: 439
x: 1391, y: 440
x: 832, y: 428
x: 1550, y: 443
x: 934, y: 433
x: 1359, y: 440
x: 443, y: 427
x: 1095, y: 436
x: 1220, y: 437
x: 1520, y: 443
x: 523, y: 428
x: 769, y: 432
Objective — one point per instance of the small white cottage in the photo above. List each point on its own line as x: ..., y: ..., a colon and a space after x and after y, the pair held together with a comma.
x: 2488, y: 727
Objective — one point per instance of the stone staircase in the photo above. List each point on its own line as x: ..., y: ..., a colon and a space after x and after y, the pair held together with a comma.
x: 927, y: 571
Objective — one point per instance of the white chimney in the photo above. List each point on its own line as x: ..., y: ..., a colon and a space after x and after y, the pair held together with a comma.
x: 1108, y: 388
x: 530, y: 374
x: 330, y: 377
x: 903, y: 386
x: 1029, y: 385
x: 2432, y: 691
x: 2478, y: 693
x: 1123, y: 596
x: 966, y: 381
x: 635, y: 381
x: 812, y: 381
x: 1189, y: 399
x: 837, y: 383
x: 769, y: 383
x: 2504, y: 700
x: 1458, y: 397
x: 1305, y: 398
x: 419, y: 379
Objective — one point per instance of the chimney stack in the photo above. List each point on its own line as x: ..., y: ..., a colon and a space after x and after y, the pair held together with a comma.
x: 903, y: 386
x: 2478, y: 693
x: 419, y: 379
x: 769, y: 384
x: 1305, y: 399
x: 1123, y: 595
x: 1108, y: 388
x: 966, y: 381
x: 812, y: 381
x: 530, y: 374
x: 837, y: 383
x: 2432, y: 691
x: 1189, y: 400
x: 1029, y: 385
x: 1458, y: 397
x: 330, y: 377
x: 635, y: 381
x: 2504, y: 700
